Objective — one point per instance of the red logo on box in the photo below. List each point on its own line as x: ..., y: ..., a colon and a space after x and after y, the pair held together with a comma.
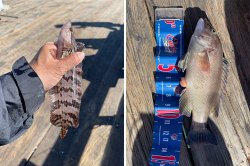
x: 163, y: 159
x: 169, y: 68
x: 171, y: 22
x: 168, y: 114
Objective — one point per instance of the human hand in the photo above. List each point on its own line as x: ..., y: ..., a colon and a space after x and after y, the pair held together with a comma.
x: 49, y: 69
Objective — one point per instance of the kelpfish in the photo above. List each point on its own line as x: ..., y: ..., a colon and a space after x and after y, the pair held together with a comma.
x: 66, y: 95
x: 203, y: 64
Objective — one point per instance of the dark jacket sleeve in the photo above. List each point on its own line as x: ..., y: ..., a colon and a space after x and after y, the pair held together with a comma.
x: 21, y: 94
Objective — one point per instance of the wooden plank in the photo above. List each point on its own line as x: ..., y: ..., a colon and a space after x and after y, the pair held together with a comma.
x: 140, y: 83
x: 22, y: 148
x: 114, y: 150
x: 185, y: 158
x: 100, y: 26
x: 43, y: 28
x: 234, y: 118
x: 1, y: 4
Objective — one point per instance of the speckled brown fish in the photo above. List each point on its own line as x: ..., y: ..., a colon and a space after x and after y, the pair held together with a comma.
x: 66, y: 95
x: 203, y: 63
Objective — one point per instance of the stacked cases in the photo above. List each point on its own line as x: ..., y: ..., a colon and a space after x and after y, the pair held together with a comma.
x: 167, y: 132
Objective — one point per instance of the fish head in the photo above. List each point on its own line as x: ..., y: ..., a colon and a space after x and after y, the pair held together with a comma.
x: 65, y: 35
x: 205, y: 35
x: 65, y: 39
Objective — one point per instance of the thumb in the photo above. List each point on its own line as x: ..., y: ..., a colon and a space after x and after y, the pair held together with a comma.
x: 72, y: 60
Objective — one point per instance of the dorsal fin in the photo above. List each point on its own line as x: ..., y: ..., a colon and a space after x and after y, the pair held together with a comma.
x: 224, y: 76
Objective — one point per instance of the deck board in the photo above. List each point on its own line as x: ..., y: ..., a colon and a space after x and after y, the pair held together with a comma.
x: 231, y: 21
x: 100, y: 26
x: 139, y: 83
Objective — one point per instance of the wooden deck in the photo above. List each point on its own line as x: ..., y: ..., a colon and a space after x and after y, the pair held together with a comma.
x: 231, y: 19
x: 29, y: 24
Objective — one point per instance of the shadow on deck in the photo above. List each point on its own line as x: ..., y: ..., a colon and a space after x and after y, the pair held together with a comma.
x: 143, y: 143
x: 238, y: 25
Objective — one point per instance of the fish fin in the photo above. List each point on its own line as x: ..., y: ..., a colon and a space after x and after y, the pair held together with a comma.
x: 184, y: 61
x: 215, y: 110
x: 224, y: 76
x: 203, y: 62
x: 184, y: 105
x: 200, y: 133
x: 63, y: 132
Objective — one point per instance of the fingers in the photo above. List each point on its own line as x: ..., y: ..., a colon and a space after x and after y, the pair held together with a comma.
x: 50, y: 48
x: 53, y: 52
x: 183, y: 82
x: 55, y: 43
x: 50, y: 45
x: 72, y: 60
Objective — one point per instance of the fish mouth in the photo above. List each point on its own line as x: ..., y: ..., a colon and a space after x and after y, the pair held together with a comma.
x: 208, y: 25
x: 67, y: 25
x: 211, y: 32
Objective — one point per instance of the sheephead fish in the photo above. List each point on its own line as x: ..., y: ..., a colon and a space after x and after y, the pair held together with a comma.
x: 203, y: 63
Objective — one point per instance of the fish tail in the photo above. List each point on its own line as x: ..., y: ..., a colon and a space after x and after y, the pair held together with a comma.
x: 204, y: 147
x: 200, y: 133
x: 63, y: 132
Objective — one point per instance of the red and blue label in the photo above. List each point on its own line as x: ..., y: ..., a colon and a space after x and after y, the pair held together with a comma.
x: 167, y: 131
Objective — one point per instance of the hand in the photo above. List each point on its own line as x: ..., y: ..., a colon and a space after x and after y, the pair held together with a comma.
x: 183, y: 82
x: 49, y: 69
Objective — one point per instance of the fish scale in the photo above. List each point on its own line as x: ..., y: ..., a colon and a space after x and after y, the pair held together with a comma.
x: 66, y: 95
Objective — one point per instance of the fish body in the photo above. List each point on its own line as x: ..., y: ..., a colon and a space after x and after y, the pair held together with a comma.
x: 66, y: 95
x: 203, y: 63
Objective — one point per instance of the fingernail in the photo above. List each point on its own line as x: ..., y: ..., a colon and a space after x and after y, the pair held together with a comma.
x: 80, y: 54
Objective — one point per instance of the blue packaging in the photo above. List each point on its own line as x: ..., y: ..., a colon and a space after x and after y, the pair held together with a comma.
x: 167, y: 83
x: 167, y: 130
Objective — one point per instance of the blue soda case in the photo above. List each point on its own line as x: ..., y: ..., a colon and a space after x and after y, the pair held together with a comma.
x: 167, y: 130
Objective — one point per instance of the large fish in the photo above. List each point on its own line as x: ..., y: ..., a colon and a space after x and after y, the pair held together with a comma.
x: 203, y: 63
x: 66, y: 95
